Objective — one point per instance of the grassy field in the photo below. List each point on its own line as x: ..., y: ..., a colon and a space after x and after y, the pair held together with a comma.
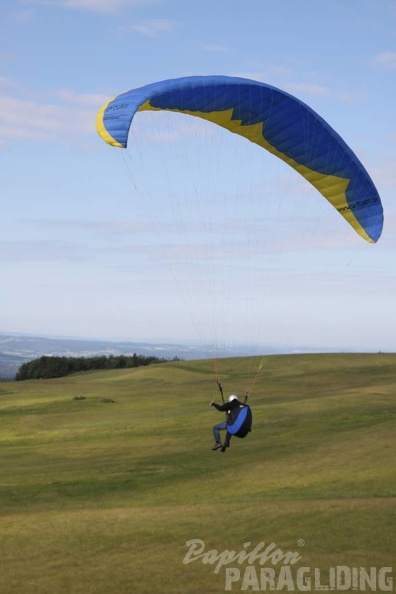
x: 100, y: 494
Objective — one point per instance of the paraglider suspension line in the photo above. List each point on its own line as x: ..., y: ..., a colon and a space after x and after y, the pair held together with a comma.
x: 219, y: 385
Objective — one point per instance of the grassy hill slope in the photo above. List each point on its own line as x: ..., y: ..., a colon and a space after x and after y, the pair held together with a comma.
x: 101, y: 494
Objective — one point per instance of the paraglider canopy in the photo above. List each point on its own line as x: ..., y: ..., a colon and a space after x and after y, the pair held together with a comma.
x: 271, y: 118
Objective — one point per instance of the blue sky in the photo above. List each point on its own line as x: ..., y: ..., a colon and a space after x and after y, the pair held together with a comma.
x: 171, y: 240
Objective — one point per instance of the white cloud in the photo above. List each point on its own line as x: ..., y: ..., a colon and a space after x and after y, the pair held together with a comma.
x: 152, y: 28
x: 5, y: 82
x: 386, y: 174
x: 99, y: 6
x: 308, y: 88
x: 44, y: 250
x: 83, y: 99
x: 48, y: 121
x: 214, y: 47
x: 386, y: 59
x: 351, y: 98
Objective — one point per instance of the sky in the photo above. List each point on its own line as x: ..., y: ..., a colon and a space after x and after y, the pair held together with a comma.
x: 191, y: 234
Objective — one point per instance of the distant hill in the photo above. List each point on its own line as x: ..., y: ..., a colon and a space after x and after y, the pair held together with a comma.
x: 18, y: 349
x: 9, y: 365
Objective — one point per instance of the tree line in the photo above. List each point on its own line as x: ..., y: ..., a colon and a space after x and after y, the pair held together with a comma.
x: 47, y: 367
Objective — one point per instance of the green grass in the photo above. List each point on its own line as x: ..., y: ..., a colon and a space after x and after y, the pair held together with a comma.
x: 99, y: 497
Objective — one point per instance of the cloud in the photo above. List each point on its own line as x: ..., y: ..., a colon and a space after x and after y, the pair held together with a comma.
x: 386, y: 60
x: 104, y: 227
x: 386, y: 175
x: 51, y: 120
x: 42, y: 250
x: 308, y: 88
x: 152, y: 28
x: 351, y: 98
x: 83, y: 99
x: 5, y: 82
x: 125, y: 229
x: 99, y: 6
x: 214, y: 47
x: 283, y: 233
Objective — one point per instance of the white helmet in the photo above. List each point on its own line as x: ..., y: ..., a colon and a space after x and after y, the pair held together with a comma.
x: 232, y: 397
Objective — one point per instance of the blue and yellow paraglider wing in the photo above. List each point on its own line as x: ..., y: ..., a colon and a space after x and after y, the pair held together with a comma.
x: 271, y: 118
